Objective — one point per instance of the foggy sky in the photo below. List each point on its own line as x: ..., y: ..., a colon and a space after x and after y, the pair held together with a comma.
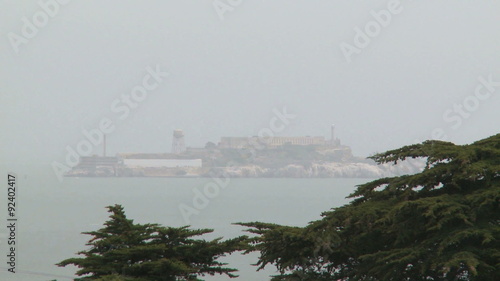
x: 227, y: 76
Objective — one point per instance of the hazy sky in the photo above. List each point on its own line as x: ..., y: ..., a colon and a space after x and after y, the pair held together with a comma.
x: 226, y: 76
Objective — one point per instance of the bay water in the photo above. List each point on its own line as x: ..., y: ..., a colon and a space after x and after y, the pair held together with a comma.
x: 52, y: 214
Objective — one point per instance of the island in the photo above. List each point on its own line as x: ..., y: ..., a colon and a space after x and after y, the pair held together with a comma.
x: 245, y: 157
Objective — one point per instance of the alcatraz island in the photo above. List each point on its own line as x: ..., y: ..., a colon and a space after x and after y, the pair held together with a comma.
x: 243, y: 157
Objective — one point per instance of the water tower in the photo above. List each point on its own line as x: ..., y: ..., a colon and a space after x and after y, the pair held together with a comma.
x: 178, y: 144
x: 332, y: 132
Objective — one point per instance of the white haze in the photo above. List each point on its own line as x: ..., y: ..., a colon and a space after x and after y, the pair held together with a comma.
x: 227, y: 76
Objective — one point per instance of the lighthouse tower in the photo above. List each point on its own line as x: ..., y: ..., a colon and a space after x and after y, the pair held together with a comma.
x: 178, y: 144
x: 332, y: 138
x: 335, y: 142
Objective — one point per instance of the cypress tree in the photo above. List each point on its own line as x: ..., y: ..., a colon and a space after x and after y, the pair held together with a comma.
x: 125, y: 251
x: 440, y: 224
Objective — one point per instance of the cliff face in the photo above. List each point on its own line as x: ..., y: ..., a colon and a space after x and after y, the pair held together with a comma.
x: 309, y: 170
x: 320, y: 170
x: 284, y: 162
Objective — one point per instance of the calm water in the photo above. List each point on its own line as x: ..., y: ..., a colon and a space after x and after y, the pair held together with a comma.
x: 52, y: 215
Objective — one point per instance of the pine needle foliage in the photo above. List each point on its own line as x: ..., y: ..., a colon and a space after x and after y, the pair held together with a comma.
x: 440, y: 224
x: 125, y: 251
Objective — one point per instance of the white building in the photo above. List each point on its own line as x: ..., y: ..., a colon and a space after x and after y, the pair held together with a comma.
x: 159, y: 163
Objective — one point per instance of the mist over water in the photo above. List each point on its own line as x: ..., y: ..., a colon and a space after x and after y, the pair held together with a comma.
x: 226, y: 76
x: 52, y: 215
x: 387, y: 73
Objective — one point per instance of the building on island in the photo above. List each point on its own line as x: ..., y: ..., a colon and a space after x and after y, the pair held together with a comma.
x: 277, y: 141
x: 241, y: 142
x: 178, y: 144
x: 162, y: 163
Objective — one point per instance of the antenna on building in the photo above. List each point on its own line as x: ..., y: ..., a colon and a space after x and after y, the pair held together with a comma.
x: 178, y: 144
x: 104, y: 146
x: 332, y: 139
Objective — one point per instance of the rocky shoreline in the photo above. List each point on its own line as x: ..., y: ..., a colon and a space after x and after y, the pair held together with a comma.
x: 319, y: 170
x: 310, y: 170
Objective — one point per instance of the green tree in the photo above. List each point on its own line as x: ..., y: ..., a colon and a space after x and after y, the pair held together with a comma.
x: 125, y: 251
x: 440, y: 224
